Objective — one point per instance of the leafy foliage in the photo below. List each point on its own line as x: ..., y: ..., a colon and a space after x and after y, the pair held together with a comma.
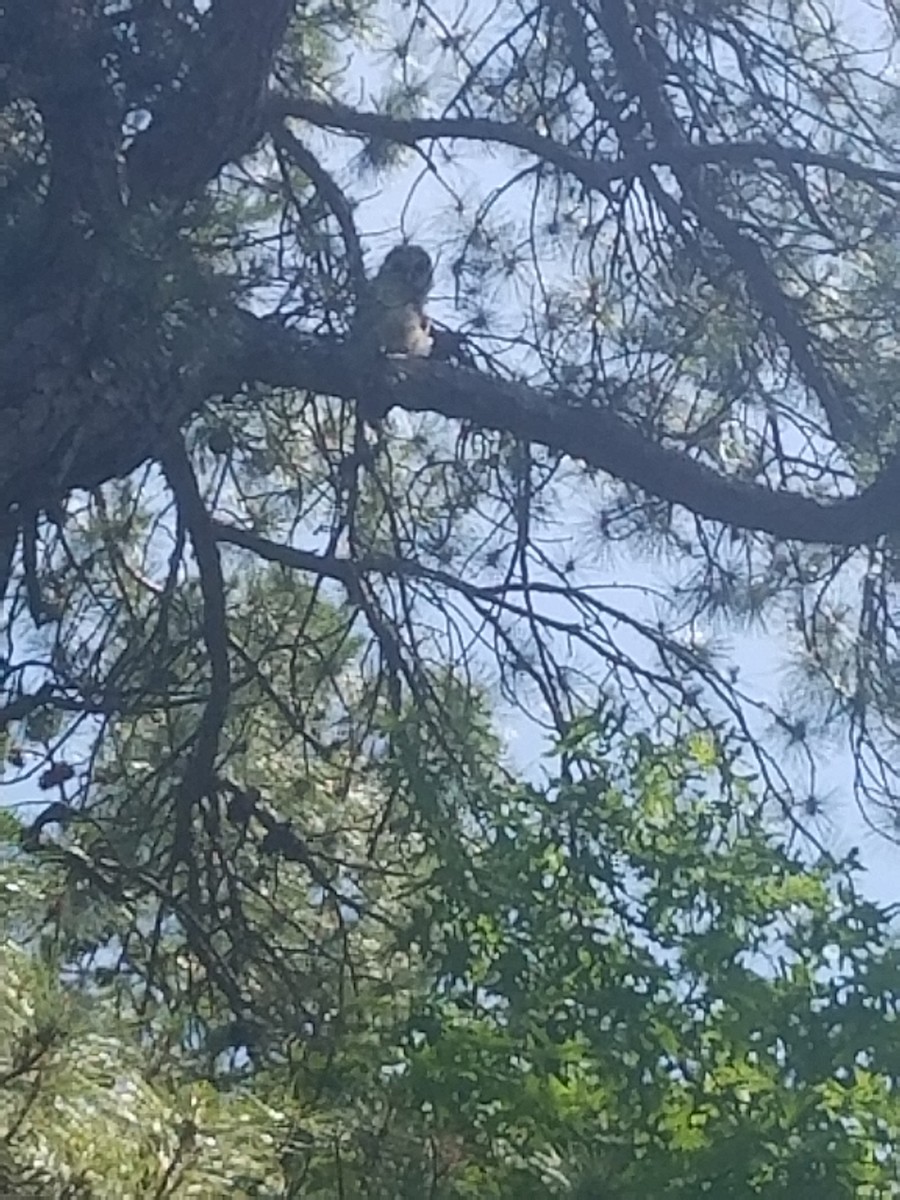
x: 621, y: 985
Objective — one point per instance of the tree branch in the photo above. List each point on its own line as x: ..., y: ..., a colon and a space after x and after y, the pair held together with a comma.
x: 595, y: 436
x: 216, y: 114
x: 91, y: 442
x: 596, y: 175
x: 671, y: 150
x: 199, y: 774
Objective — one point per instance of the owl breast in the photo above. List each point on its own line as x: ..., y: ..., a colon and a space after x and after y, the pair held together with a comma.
x: 404, y: 329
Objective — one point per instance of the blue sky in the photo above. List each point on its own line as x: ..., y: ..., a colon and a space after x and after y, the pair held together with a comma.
x: 425, y: 209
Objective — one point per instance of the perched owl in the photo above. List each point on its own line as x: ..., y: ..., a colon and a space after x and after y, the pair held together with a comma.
x: 391, y: 316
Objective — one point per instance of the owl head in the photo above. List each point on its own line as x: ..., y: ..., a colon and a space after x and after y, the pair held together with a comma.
x: 407, y: 271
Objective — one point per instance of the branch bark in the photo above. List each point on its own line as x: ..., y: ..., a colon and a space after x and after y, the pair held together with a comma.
x: 216, y: 114
x: 595, y: 436
x: 595, y: 175
x: 63, y: 441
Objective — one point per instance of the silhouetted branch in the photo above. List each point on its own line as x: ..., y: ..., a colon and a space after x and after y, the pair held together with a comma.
x: 590, y: 434
x: 215, y: 114
x: 594, y: 174
x: 199, y: 771
x: 251, y: 349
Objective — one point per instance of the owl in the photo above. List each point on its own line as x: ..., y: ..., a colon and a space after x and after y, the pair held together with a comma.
x: 391, y: 317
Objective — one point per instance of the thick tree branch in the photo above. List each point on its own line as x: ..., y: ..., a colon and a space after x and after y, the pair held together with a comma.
x: 216, y: 113
x: 86, y: 440
x: 592, y: 435
x: 594, y: 174
x: 55, y: 55
x: 671, y: 150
